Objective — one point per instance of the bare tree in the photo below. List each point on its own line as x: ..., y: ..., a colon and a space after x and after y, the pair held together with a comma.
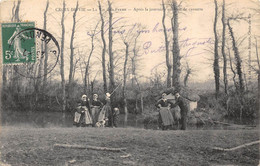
x: 134, y: 76
x: 4, y: 75
x: 127, y: 40
x: 216, y: 56
x: 231, y: 67
x: 45, y: 48
x: 257, y: 70
x: 38, y: 81
x: 38, y: 73
x: 62, y: 59
x: 77, y: 60
x: 258, y: 74
x: 72, y: 48
x: 110, y: 52
x: 168, y: 64
x: 175, y: 46
x: 237, y: 56
x: 124, y: 80
x: 104, y: 48
x: 88, y: 61
x: 223, y: 48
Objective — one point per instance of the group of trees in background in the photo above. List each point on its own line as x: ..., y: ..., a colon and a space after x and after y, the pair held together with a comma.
x: 62, y: 96
x: 241, y: 99
x: 120, y: 71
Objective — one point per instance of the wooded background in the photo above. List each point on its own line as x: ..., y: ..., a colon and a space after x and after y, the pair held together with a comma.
x: 233, y: 60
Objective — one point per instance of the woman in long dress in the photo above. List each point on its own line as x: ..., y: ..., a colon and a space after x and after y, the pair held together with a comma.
x: 165, y: 119
x: 82, y: 115
x: 106, y: 112
x: 96, y: 106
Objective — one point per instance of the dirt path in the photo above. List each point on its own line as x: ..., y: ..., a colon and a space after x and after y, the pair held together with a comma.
x: 34, y: 146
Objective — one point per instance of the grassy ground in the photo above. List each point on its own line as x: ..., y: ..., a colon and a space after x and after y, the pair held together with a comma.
x: 34, y: 146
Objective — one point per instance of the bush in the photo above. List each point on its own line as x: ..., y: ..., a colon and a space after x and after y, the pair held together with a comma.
x: 230, y: 105
x: 215, y: 107
x: 242, y: 105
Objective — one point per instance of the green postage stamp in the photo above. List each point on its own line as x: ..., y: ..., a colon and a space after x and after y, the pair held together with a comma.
x: 18, y: 45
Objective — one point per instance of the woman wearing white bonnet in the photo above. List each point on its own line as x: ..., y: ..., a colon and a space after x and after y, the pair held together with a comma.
x: 83, y: 97
x: 108, y: 95
x: 83, y: 112
x: 96, y: 105
x: 106, y: 111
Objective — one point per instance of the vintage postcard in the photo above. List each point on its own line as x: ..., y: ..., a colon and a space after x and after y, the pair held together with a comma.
x: 116, y: 82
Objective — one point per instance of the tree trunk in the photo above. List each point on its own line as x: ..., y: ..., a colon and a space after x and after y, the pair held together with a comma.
x: 104, y: 48
x: 168, y: 65
x: 133, y: 68
x: 223, y: 49
x: 38, y: 75
x: 142, y: 103
x: 141, y: 95
x: 175, y: 49
x: 74, y: 68
x: 258, y: 81
x: 188, y: 72
x: 89, y: 147
x: 232, y: 69
x: 16, y: 12
x: 87, y: 66
x: 134, y: 75
x: 110, y: 52
x: 258, y: 74
x: 62, y: 61
x: 72, y: 50
x: 92, y: 88
x: 249, y: 54
x: 216, y: 56
x: 13, y: 12
x: 237, y: 57
x: 4, y: 75
x: 237, y: 147
x: 136, y: 103
x: 124, y: 84
x: 45, y: 49
x: 245, y: 78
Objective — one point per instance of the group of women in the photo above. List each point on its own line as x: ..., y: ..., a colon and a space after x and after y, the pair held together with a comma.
x: 95, y: 113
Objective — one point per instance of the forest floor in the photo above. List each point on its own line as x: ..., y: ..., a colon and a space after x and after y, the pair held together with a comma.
x: 35, y: 146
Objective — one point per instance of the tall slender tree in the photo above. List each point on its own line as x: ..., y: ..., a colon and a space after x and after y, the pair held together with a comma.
x: 175, y: 47
x: 257, y: 70
x: 134, y: 77
x: 223, y: 48
x: 86, y: 76
x: 231, y: 67
x: 110, y: 52
x: 72, y: 48
x: 237, y: 56
x: 124, y: 81
x: 104, y: 48
x: 45, y: 47
x: 167, y: 59
x: 216, y: 56
x: 62, y: 59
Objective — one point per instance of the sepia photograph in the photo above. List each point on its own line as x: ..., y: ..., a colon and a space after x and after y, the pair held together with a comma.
x: 141, y: 83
